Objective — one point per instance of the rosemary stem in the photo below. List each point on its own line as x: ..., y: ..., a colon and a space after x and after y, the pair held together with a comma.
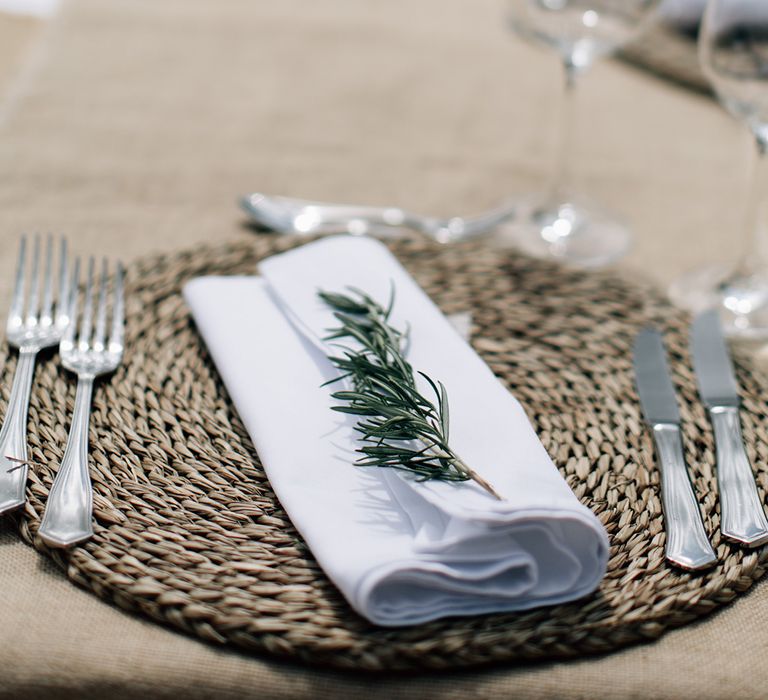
x: 462, y: 467
x: 479, y: 480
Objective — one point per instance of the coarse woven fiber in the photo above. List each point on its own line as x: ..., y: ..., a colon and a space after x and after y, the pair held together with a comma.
x: 189, y: 533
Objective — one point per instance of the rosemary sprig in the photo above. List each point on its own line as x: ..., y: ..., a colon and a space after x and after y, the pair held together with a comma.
x: 400, y: 428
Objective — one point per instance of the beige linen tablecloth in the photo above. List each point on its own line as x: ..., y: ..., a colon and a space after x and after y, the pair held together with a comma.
x: 132, y: 125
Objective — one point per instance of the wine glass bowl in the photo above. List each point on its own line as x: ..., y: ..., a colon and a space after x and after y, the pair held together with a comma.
x: 733, y: 52
x: 581, y: 31
x: 561, y: 224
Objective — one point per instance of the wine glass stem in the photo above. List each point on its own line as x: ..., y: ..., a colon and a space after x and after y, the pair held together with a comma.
x: 561, y: 184
x: 755, y: 247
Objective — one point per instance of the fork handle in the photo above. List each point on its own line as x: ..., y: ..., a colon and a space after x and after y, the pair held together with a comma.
x: 13, y: 435
x: 68, y: 514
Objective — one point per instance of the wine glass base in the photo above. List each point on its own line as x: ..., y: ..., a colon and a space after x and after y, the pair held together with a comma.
x: 575, y: 233
x: 742, y: 300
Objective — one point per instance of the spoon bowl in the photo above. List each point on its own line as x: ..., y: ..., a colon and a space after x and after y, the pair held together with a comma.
x: 303, y: 217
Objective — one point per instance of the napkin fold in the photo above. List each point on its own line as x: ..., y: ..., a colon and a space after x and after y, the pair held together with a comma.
x: 401, y: 551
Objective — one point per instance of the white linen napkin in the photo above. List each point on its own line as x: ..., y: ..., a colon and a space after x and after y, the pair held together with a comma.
x: 401, y: 551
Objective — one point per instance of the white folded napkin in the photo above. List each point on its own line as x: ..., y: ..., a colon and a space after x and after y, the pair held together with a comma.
x: 401, y: 551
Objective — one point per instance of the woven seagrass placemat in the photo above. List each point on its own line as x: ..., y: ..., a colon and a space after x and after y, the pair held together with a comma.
x: 669, y: 53
x: 189, y: 533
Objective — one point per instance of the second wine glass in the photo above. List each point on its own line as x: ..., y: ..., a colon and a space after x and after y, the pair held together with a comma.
x: 733, y: 50
x: 561, y: 224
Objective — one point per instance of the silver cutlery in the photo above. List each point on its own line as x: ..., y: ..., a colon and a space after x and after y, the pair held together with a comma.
x: 687, y: 543
x: 33, y: 324
x: 742, y: 518
x: 89, y: 353
x: 299, y: 216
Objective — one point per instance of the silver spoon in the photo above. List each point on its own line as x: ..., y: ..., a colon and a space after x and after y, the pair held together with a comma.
x: 299, y: 216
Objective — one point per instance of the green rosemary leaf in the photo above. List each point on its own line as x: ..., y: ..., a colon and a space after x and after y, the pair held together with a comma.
x: 349, y: 396
x: 444, y: 413
x: 342, y: 302
x: 354, y: 410
x: 384, y: 451
x: 400, y: 428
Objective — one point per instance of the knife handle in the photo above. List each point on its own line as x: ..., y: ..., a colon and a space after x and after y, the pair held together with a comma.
x: 687, y: 543
x: 742, y: 518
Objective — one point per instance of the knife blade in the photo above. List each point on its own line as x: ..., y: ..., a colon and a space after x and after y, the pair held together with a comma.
x: 711, y: 361
x: 742, y: 517
x: 657, y: 394
x: 687, y: 543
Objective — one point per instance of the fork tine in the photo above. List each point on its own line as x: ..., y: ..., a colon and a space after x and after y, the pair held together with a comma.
x: 62, y: 303
x: 34, y: 284
x: 101, y: 313
x: 87, y: 320
x: 47, y: 308
x: 118, y: 312
x: 71, y: 310
x: 17, y: 305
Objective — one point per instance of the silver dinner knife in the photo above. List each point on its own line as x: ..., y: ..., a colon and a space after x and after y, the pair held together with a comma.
x: 687, y: 543
x: 742, y: 518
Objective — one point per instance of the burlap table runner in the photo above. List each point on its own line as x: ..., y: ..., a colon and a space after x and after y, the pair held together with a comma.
x: 142, y: 123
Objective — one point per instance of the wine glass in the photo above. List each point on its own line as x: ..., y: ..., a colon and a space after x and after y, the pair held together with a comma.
x: 733, y: 51
x: 562, y: 225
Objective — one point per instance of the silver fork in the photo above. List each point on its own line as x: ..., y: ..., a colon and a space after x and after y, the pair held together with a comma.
x: 30, y: 330
x: 68, y: 514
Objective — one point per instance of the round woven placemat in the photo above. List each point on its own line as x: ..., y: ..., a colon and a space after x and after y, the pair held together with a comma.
x: 189, y: 533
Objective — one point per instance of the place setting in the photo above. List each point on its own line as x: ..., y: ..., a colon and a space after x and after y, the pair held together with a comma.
x: 211, y: 515
x: 369, y: 439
